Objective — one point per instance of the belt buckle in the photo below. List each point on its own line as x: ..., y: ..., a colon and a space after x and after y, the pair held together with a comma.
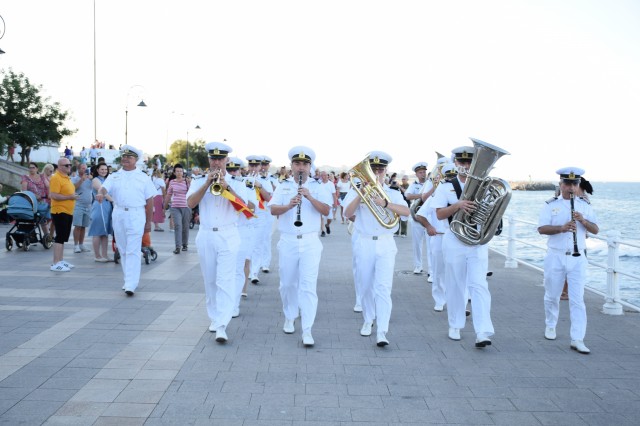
x: 299, y: 236
x: 214, y: 229
x: 567, y: 253
x: 374, y: 238
x: 126, y: 209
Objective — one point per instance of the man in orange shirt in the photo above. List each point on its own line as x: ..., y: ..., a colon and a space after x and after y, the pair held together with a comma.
x: 63, y: 200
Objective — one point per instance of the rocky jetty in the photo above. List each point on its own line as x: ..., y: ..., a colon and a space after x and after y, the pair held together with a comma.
x: 532, y: 186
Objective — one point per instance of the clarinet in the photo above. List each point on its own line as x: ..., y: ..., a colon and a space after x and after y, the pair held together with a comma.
x: 298, y: 222
x: 576, y: 252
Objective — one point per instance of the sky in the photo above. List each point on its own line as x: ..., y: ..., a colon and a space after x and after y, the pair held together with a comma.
x: 553, y: 82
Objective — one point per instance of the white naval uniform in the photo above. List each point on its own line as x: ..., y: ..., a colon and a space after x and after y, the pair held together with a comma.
x: 375, y: 251
x: 465, y: 269
x: 247, y: 230
x: 218, y: 242
x: 560, y: 265
x: 267, y: 231
x: 418, y: 232
x: 436, y: 260
x: 263, y: 224
x: 130, y: 191
x: 299, y: 250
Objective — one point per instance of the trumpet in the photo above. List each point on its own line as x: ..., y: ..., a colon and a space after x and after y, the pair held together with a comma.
x: 216, y: 186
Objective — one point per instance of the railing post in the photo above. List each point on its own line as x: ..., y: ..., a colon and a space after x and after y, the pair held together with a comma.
x: 510, y: 261
x: 611, y: 305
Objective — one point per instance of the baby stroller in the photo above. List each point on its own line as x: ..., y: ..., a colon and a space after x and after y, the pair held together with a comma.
x: 195, y: 217
x: 23, y: 209
x: 148, y: 253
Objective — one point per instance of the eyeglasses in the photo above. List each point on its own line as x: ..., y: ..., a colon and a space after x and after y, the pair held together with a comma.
x: 65, y: 165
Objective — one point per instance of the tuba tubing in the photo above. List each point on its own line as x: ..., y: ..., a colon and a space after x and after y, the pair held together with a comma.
x: 491, y: 196
x: 362, y: 171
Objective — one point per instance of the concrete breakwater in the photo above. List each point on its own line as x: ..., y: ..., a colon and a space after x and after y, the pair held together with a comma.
x: 532, y: 186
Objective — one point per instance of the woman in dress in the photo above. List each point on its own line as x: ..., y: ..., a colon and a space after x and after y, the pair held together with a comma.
x: 158, y: 200
x: 36, y: 183
x: 100, y: 227
x: 180, y: 211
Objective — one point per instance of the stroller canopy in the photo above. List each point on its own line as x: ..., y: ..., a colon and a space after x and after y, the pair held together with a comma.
x: 23, y: 205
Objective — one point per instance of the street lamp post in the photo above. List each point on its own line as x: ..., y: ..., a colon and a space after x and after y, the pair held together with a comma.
x: 197, y: 128
x: 126, y: 114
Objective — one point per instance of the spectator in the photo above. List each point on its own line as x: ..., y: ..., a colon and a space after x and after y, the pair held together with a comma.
x: 158, y: 200
x: 93, y: 154
x: 47, y: 171
x: 63, y: 200
x: 10, y: 151
x: 100, y: 227
x: 36, y: 183
x: 180, y: 212
x: 82, y: 210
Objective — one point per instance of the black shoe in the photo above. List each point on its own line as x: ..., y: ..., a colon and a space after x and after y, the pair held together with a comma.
x: 323, y: 234
x: 184, y: 248
x: 129, y: 293
x: 328, y: 229
x: 467, y: 313
x: 177, y: 250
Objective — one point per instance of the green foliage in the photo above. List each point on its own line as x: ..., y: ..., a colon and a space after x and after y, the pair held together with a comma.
x: 26, y: 117
x: 198, y: 155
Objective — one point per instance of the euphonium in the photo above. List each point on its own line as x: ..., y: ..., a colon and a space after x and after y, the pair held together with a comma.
x: 363, y: 171
x: 437, y: 171
x: 216, y: 186
x: 491, y: 196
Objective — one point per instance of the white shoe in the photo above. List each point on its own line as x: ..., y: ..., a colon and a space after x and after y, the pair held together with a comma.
x: 254, y: 279
x: 244, y: 294
x: 289, y: 326
x: 77, y: 249
x: 578, y: 345
x: 417, y: 271
x: 454, y: 333
x: 67, y: 264
x: 381, y: 339
x: 438, y: 308
x: 59, y: 267
x: 307, y: 339
x: 213, y: 327
x: 429, y: 279
x: 550, y: 333
x: 265, y: 269
x: 221, y: 335
x: 366, y: 329
x: 482, y: 340
x: 84, y: 250
x: 357, y: 308
x: 235, y: 313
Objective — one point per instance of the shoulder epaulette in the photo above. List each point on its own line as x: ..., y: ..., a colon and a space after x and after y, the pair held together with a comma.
x: 551, y: 200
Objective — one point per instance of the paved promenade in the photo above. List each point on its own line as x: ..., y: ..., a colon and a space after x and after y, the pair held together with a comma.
x: 75, y: 351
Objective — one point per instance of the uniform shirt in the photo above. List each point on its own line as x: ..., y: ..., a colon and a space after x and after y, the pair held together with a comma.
x: 366, y: 223
x: 444, y: 196
x: 426, y: 186
x: 129, y: 188
x: 414, y: 189
x: 248, y: 195
x: 215, y: 210
x: 557, y: 212
x: 309, y: 216
x: 427, y: 211
x: 61, y: 184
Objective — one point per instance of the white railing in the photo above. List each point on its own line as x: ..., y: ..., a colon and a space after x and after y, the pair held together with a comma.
x: 613, y: 303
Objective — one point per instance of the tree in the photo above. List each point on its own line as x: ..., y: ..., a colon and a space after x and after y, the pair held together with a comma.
x: 198, y: 155
x: 27, y: 118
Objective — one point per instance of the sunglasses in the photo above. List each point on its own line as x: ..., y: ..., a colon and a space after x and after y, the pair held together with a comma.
x: 65, y: 165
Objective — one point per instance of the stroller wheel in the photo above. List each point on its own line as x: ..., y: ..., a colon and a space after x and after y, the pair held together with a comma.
x: 154, y: 255
x: 192, y: 224
x: 47, y: 241
x: 116, y: 257
x: 25, y: 246
x: 9, y: 242
x: 146, y: 256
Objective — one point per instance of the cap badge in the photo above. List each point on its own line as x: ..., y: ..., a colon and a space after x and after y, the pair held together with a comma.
x: 572, y: 175
x: 216, y: 151
x: 376, y: 159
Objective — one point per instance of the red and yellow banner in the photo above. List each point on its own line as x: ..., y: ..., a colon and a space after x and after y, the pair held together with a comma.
x: 238, y: 204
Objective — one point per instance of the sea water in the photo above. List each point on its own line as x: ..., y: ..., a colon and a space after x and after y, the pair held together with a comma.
x: 617, y: 206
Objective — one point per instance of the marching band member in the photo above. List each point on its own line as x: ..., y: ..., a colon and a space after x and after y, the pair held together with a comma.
x: 435, y: 229
x: 418, y: 233
x: 246, y: 229
x: 299, y: 201
x: 132, y: 192
x: 262, y: 221
x: 218, y: 239
x: 270, y: 183
x: 375, y: 250
x: 465, y: 265
x: 566, y: 221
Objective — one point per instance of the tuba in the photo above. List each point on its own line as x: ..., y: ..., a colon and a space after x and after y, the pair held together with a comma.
x: 437, y: 171
x: 363, y: 171
x: 491, y: 195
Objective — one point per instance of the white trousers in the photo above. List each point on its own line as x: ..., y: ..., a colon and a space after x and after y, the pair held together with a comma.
x: 466, y: 268
x: 357, y: 284
x: 218, y: 252
x: 247, y: 243
x: 375, y: 260
x: 419, y: 239
x: 437, y: 275
x: 557, y: 267
x: 128, y: 227
x: 262, y: 229
x: 299, y: 263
